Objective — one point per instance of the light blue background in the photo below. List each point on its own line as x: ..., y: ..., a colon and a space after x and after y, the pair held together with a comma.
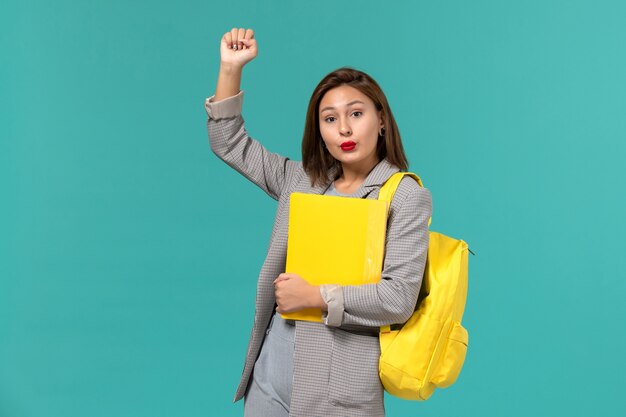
x: 129, y: 253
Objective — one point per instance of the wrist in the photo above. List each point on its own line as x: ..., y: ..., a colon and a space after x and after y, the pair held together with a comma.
x: 316, y: 299
x: 230, y: 68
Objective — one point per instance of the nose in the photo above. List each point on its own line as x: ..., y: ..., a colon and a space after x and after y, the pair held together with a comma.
x: 344, y: 129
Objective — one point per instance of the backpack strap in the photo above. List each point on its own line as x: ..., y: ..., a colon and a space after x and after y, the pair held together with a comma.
x: 386, y: 193
x: 388, y: 189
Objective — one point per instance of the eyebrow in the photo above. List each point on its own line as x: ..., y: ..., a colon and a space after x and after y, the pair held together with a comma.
x: 349, y: 104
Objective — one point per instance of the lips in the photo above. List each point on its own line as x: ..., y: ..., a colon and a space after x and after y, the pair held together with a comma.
x: 348, y: 146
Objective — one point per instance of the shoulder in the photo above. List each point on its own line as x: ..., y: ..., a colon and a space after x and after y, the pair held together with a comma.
x: 294, y: 176
x: 410, y: 193
x: 295, y: 169
x: 411, y: 203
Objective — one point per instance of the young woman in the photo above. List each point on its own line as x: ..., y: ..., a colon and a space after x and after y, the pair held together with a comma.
x: 351, y: 146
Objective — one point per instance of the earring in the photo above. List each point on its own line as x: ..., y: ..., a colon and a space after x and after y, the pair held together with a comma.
x: 382, y: 131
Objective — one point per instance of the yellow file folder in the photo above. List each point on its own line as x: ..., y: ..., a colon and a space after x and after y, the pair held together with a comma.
x: 334, y: 240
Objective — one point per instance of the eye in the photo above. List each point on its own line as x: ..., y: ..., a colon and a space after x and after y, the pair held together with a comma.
x: 329, y: 117
x: 359, y: 113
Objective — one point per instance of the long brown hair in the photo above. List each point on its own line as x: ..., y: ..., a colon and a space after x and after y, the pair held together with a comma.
x: 316, y: 159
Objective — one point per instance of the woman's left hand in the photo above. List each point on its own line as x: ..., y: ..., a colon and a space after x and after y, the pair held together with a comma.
x: 293, y: 293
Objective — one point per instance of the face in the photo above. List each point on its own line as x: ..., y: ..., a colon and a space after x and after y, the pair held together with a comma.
x: 349, y: 125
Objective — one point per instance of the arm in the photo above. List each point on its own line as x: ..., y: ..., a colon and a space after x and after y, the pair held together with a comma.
x: 227, y: 135
x: 231, y: 143
x: 393, y: 299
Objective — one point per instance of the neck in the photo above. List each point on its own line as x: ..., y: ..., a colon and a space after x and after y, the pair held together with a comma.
x: 354, y: 173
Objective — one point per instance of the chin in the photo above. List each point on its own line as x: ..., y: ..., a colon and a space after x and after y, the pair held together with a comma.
x: 348, y: 158
x: 351, y: 161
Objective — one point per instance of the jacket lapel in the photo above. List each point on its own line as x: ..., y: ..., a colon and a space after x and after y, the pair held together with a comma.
x: 377, y: 177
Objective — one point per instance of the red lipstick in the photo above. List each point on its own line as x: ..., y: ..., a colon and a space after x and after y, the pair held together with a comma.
x: 348, y: 146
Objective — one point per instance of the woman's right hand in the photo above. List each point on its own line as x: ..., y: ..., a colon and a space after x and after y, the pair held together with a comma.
x: 238, y: 47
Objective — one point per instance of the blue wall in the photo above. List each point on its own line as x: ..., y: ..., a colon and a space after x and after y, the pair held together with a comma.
x: 122, y: 292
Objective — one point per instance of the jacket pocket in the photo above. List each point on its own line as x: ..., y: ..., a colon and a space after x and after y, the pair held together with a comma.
x: 353, y: 381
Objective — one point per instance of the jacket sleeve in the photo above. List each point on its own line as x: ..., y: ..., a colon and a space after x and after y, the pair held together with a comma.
x: 393, y: 299
x: 230, y: 141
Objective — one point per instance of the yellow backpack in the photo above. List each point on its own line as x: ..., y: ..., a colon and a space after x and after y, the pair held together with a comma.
x: 428, y: 351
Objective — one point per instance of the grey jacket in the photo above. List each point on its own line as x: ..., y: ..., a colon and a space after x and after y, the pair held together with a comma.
x: 335, y: 369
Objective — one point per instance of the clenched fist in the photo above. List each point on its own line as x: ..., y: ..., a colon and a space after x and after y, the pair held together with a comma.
x: 293, y: 293
x: 238, y: 47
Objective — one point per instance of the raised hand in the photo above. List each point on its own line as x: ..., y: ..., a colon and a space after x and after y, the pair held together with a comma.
x: 238, y: 47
